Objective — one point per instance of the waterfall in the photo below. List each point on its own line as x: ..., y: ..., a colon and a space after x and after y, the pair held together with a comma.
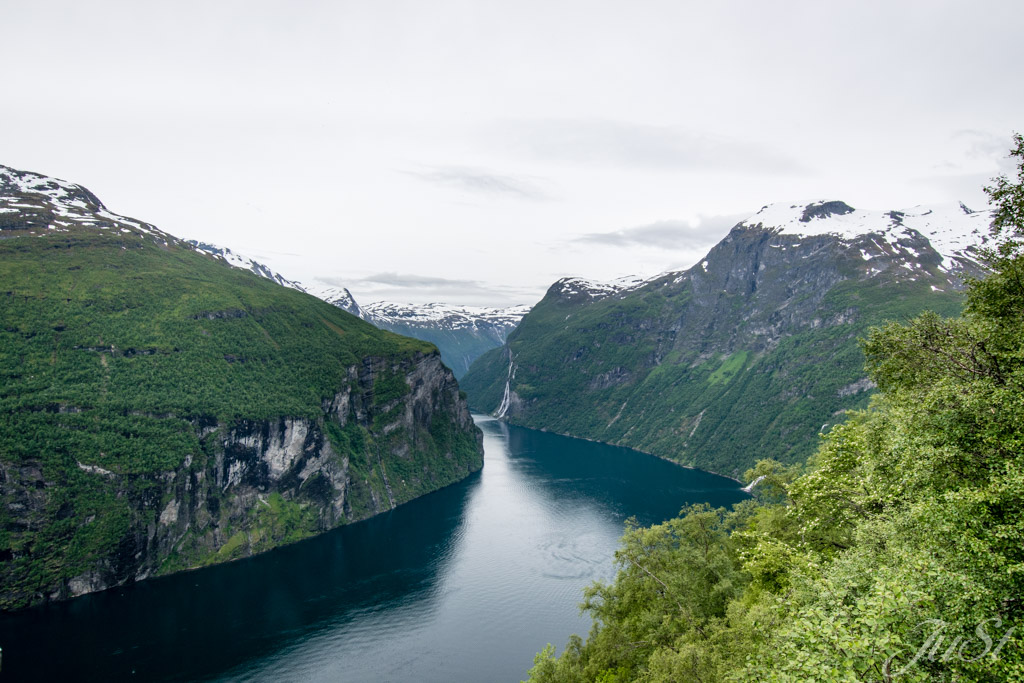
x: 506, y: 400
x: 750, y: 487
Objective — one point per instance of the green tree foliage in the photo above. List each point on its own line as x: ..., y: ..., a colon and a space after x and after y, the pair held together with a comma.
x: 117, y: 355
x: 898, y: 555
x: 1007, y: 195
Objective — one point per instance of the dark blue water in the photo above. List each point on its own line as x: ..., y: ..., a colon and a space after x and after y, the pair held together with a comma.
x: 464, y: 584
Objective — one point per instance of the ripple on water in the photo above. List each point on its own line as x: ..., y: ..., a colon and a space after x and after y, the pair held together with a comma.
x: 564, y: 556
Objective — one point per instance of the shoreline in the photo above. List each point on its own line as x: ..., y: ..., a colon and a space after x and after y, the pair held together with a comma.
x: 637, y: 450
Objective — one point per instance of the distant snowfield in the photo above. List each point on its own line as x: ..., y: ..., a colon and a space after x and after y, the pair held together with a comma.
x: 68, y: 205
x: 452, y: 316
x: 952, y: 229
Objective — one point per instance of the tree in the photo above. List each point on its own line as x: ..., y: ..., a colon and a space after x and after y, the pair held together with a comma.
x: 886, y: 560
x: 1007, y: 196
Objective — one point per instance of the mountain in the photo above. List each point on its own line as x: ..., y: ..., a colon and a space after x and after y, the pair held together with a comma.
x: 461, y: 333
x: 161, y: 411
x: 750, y: 353
x: 337, y: 296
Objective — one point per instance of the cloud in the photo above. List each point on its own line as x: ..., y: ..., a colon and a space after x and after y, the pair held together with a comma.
x: 986, y: 146
x: 480, y: 181
x: 411, y: 280
x: 414, y: 288
x: 624, y: 144
x: 669, y: 234
x: 966, y: 187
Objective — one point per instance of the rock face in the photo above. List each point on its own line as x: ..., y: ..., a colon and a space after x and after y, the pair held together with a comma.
x: 748, y: 354
x: 259, y: 483
x: 160, y: 411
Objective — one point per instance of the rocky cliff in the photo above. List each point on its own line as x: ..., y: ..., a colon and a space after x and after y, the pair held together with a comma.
x: 255, y: 484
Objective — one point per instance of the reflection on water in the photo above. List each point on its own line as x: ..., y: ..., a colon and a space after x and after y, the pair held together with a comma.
x: 463, y: 584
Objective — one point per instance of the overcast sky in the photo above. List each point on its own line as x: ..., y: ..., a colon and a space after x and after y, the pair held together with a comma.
x: 474, y: 152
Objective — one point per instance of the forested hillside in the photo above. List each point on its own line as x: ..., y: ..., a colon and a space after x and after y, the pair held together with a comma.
x: 897, y: 554
x: 160, y: 410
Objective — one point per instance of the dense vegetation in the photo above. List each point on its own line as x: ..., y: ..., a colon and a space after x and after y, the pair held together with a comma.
x: 124, y: 361
x: 898, y: 554
x: 703, y: 368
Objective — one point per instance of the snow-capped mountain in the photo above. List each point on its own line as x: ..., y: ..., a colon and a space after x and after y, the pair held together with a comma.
x: 445, y: 316
x: 593, y: 289
x: 243, y: 262
x: 746, y: 354
x: 953, y: 231
x: 338, y: 296
x: 38, y: 204
x: 946, y: 238
x: 32, y: 204
x: 462, y: 333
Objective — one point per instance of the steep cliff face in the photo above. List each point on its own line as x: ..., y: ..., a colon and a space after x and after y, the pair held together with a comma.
x: 162, y: 411
x: 256, y: 484
x: 748, y: 354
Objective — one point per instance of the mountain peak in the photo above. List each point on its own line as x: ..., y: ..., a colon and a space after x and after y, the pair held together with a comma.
x: 571, y: 287
x: 953, y: 230
x: 34, y: 185
x: 35, y: 204
x: 825, y: 210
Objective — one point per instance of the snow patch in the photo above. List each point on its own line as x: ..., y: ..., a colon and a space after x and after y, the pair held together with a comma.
x: 953, y: 232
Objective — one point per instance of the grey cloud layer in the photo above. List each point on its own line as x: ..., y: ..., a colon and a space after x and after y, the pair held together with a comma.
x: 410, y: 286
x: 481, y: 181
x: 627, y: 144
x: 670, y: 234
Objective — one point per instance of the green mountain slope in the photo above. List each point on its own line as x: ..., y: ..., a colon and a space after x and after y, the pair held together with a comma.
x: 160, y: 410
x: 748, y: 355
x: 461, y: 333
x: 895, y: 554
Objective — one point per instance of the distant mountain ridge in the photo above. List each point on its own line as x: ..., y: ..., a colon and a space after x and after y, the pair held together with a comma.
x: 747, y: 354
x: 34, y: 204
x: 461, y: 333
x: 338, y: 296
x: 954, y: 231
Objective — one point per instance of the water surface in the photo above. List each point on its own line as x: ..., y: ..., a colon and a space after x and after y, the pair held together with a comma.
x: 464, y: 584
